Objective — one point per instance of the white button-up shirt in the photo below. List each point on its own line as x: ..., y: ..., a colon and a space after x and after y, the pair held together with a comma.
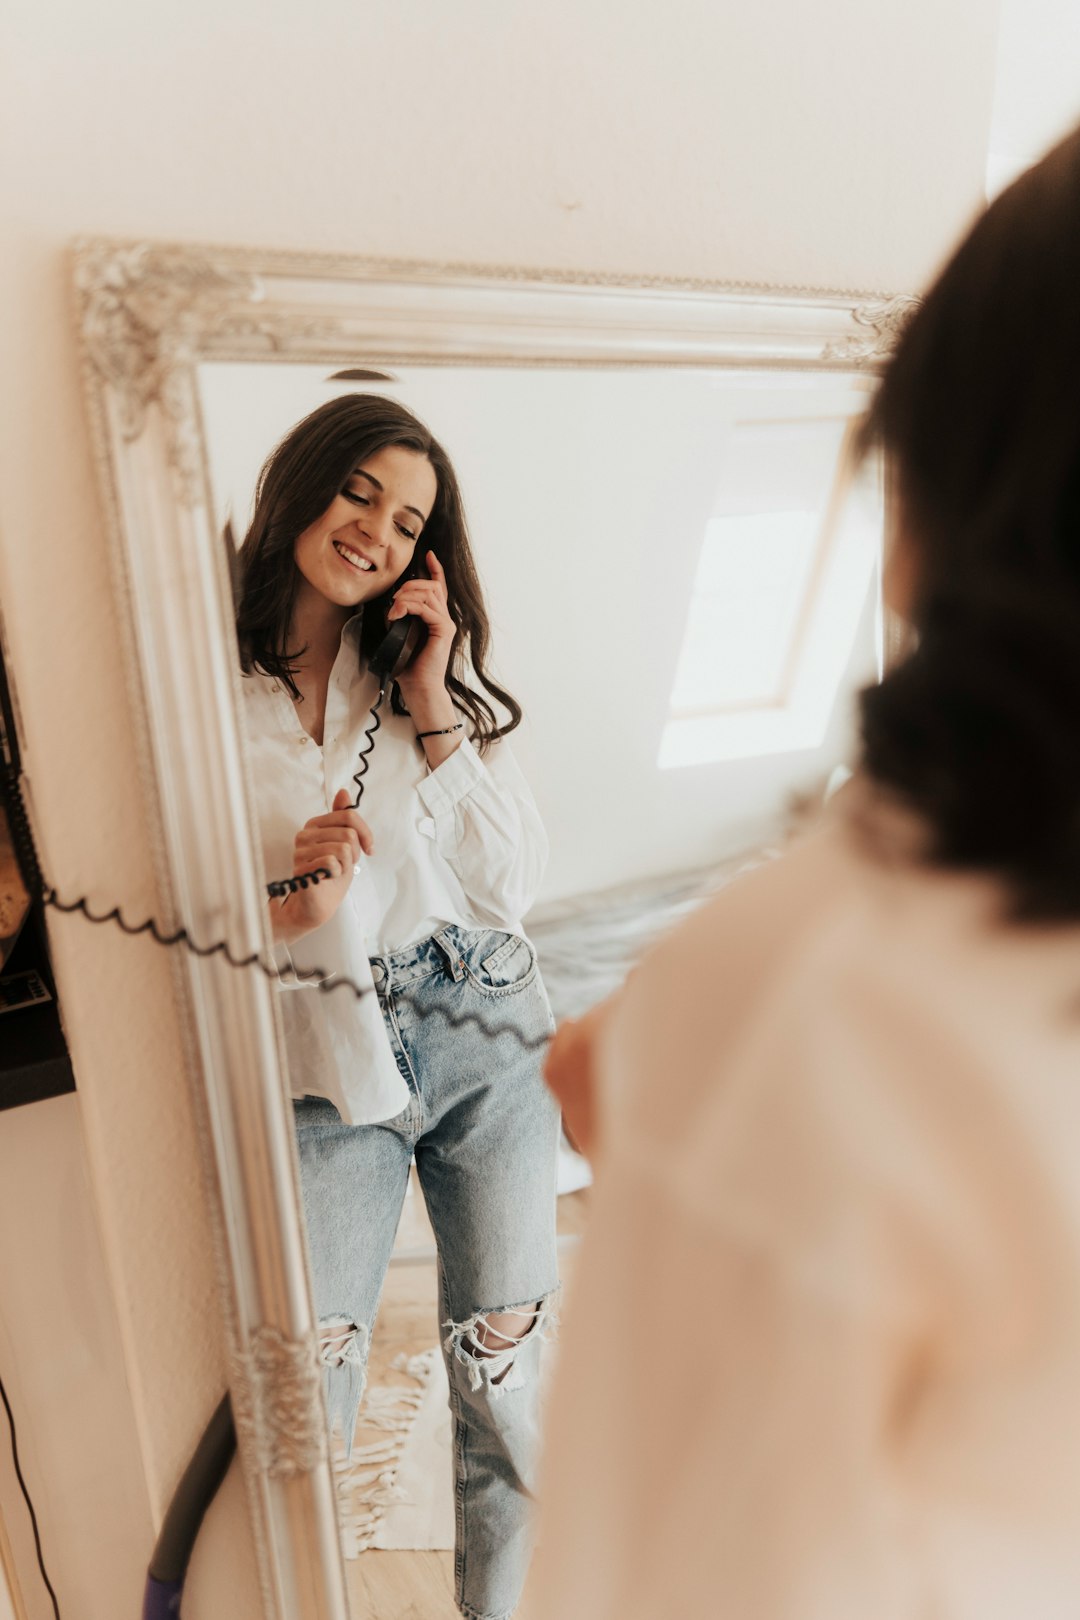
x: 459, y: 844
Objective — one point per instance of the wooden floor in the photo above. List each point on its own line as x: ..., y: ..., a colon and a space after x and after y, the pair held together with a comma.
x: 420, y: 1585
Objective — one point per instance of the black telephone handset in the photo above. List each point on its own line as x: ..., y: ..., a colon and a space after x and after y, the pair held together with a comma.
x: 403, y: 638
x: 398, y: 648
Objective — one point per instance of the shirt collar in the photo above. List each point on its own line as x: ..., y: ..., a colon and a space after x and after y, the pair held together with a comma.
x: 350, y: 630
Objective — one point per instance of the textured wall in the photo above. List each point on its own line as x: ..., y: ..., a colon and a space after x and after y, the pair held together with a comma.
x: 838, y: 145
x: 63, y: 1368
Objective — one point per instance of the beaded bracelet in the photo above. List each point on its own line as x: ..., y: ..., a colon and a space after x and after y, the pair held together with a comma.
x: 445, y: 732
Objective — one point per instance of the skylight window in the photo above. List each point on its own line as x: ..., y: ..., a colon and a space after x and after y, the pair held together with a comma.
x: 786, y: 560
x: 751, y: 584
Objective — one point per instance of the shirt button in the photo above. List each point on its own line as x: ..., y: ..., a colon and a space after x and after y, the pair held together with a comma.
x: 304, y: 740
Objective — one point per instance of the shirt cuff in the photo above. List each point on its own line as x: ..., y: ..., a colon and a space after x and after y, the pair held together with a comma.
x: 288, y: 972
x: 449, y: 782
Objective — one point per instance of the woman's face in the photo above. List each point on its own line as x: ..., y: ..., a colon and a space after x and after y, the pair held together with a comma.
x: 365, y: 539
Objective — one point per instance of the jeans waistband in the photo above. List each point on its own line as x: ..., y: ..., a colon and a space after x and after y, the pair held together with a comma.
x: 441, y: 952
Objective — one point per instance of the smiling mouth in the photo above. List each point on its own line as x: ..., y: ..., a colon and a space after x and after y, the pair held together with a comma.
x: 353, y: 558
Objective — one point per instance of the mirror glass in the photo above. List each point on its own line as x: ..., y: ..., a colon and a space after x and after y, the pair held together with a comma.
x: 682, y: 586
x: 682, y: 577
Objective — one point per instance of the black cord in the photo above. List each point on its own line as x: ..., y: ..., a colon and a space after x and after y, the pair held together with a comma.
x: 19, y: 827
x: 198, y: 1486
x: 283, y: 886
x: 29, y: 1503
x: 151, y: 926
x: 328, y: 981
x: 369, y: 738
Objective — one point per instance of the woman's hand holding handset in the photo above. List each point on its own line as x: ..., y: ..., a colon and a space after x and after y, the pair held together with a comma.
x: 423, y: 683
x: 335, y: 841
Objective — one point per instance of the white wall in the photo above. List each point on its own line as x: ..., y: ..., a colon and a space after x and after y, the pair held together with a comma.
x: 1036, y: 85
x: 63, y: 1369
x: 837, y: 145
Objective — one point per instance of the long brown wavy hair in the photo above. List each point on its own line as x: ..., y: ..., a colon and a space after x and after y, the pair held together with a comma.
x: 979, y: 414
x: 299, y: 480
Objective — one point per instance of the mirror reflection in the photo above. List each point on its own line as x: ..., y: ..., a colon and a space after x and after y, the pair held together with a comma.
x: 534, y: 659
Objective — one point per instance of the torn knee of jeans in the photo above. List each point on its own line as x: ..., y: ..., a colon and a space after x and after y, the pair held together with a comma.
x: 343, y: 1343
x: 492, y: 1353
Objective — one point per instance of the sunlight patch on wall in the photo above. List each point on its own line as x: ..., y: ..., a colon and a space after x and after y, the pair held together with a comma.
x: 752, y: 579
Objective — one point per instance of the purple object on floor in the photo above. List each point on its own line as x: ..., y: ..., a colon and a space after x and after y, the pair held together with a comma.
x: 162, y: 1599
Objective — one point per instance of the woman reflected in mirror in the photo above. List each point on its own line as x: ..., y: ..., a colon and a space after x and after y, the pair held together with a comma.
x: 434, y: 849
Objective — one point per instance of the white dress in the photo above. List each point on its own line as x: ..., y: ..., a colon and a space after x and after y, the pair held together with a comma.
x: 822, y: 1350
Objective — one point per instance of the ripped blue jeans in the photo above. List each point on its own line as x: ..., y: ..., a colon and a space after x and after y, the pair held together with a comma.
x: 484, y: 1131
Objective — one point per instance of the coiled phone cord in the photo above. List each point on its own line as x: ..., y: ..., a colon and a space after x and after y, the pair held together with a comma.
x: 369, y: 738
x: 281, y: 887
x: 322, y: 979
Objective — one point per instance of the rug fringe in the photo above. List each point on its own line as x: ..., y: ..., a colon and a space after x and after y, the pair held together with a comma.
x: 367, y: 1484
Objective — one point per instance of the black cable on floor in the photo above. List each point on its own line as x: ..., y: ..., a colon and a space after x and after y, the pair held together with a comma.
x: 29, y: 1503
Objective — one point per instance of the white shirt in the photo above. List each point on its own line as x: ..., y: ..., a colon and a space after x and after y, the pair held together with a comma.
x: 459, y: 844
x: 821, y: 1359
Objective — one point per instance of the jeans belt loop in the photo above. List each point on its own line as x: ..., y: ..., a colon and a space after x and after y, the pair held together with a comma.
x: 450, y: 951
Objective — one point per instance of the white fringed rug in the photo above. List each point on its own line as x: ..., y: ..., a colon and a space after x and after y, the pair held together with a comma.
x: 397, y: 1492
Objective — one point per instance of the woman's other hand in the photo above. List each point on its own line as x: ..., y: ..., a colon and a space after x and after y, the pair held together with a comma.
x: 336, y: 842
x: 570, y: 1072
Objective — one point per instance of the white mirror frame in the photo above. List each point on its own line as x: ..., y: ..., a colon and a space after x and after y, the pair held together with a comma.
x: 149, y: 314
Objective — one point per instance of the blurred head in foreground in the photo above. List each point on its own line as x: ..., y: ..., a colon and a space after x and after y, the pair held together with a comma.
x: 822, y: 1356
x: 979, y: 417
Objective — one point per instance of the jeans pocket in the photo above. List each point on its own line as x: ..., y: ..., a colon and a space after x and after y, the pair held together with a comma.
x: 499, y: 963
